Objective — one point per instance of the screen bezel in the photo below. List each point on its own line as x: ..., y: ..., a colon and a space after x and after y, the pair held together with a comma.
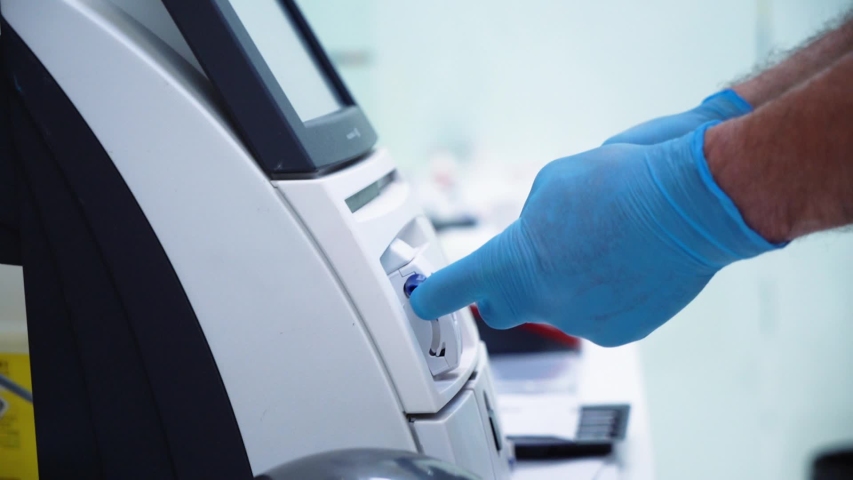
x: 283, y: 145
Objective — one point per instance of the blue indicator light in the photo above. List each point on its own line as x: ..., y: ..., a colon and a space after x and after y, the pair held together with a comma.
x: 412, y: 283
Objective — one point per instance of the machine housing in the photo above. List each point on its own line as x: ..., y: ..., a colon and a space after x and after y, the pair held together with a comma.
x: 234, y: 302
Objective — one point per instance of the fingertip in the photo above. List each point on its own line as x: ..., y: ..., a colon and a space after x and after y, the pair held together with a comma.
x: 445, y: 291
x: 421, y: 304
x: 463, y: 282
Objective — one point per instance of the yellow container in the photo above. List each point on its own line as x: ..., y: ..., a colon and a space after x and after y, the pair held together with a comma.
x: 17, y: 422
x: 18, y: 459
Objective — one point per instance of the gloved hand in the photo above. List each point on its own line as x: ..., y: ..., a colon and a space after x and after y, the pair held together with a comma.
x: 611, y: 244
x: 721, y: 106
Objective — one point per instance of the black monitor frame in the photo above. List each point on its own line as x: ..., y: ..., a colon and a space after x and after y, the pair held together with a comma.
x: 282, y: 144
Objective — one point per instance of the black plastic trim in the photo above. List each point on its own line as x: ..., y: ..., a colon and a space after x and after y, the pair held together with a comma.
x: 10, y: 241
x: 555, y: 448
x: 320, y: 172
x: 599, y: 427
x: 259, y: 109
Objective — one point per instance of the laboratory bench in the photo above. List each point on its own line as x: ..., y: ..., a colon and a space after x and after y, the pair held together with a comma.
x: 605, y: 376
x: 595, y: 376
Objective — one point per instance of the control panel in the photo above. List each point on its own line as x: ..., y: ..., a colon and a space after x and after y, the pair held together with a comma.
x: 440, y: 339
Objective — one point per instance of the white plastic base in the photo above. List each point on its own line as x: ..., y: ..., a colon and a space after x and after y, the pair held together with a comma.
x: 467, y: 432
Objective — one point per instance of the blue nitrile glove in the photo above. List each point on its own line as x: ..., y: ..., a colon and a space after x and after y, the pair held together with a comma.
x: 721, y: 106
x: 611, y: 244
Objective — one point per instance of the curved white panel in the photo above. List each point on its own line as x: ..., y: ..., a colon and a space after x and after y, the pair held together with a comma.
x: 300, y: 370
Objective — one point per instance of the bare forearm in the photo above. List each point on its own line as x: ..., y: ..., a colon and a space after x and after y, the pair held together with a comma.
x: 807, y: 61
x: 789, y: 165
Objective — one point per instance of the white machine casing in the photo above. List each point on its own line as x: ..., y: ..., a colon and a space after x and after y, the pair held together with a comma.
x: 299, y: 298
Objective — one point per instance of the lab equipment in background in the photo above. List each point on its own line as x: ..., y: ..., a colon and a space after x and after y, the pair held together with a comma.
x: 215, y: 254
x: 526, y: 338
x: 442, y: 196
x: 598, y: 428
x: 14, y: 388
x: 833, y: 464
x: 545, y: 415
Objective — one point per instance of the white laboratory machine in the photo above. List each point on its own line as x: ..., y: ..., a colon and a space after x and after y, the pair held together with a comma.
x: 216, y: 257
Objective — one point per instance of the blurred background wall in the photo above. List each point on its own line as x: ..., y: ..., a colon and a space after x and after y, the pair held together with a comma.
x: 755, y: 375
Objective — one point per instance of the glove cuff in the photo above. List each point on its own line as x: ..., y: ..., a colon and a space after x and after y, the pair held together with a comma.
x: 727, y: 104
x: 758, y: 243
x: 706, y: 223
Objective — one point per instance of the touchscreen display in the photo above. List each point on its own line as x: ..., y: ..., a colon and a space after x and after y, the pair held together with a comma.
x: 287, y: 56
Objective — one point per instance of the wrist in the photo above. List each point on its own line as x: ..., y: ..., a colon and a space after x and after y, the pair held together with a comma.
x: 756, y: 91
x: 744, y: 181
x: 699, y: 216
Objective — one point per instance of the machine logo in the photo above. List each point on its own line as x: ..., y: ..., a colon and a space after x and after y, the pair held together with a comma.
x: 353, y: 134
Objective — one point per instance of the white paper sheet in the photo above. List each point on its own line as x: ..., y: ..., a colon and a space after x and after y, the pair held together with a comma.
x: 544, y: 414
x: 586, y: 469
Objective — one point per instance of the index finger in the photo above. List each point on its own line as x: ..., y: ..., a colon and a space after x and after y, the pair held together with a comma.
x: 449, y: 289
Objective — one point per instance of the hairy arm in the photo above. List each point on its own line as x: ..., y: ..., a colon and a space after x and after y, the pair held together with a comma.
x: 789, y: 165
x: 818, y: 53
